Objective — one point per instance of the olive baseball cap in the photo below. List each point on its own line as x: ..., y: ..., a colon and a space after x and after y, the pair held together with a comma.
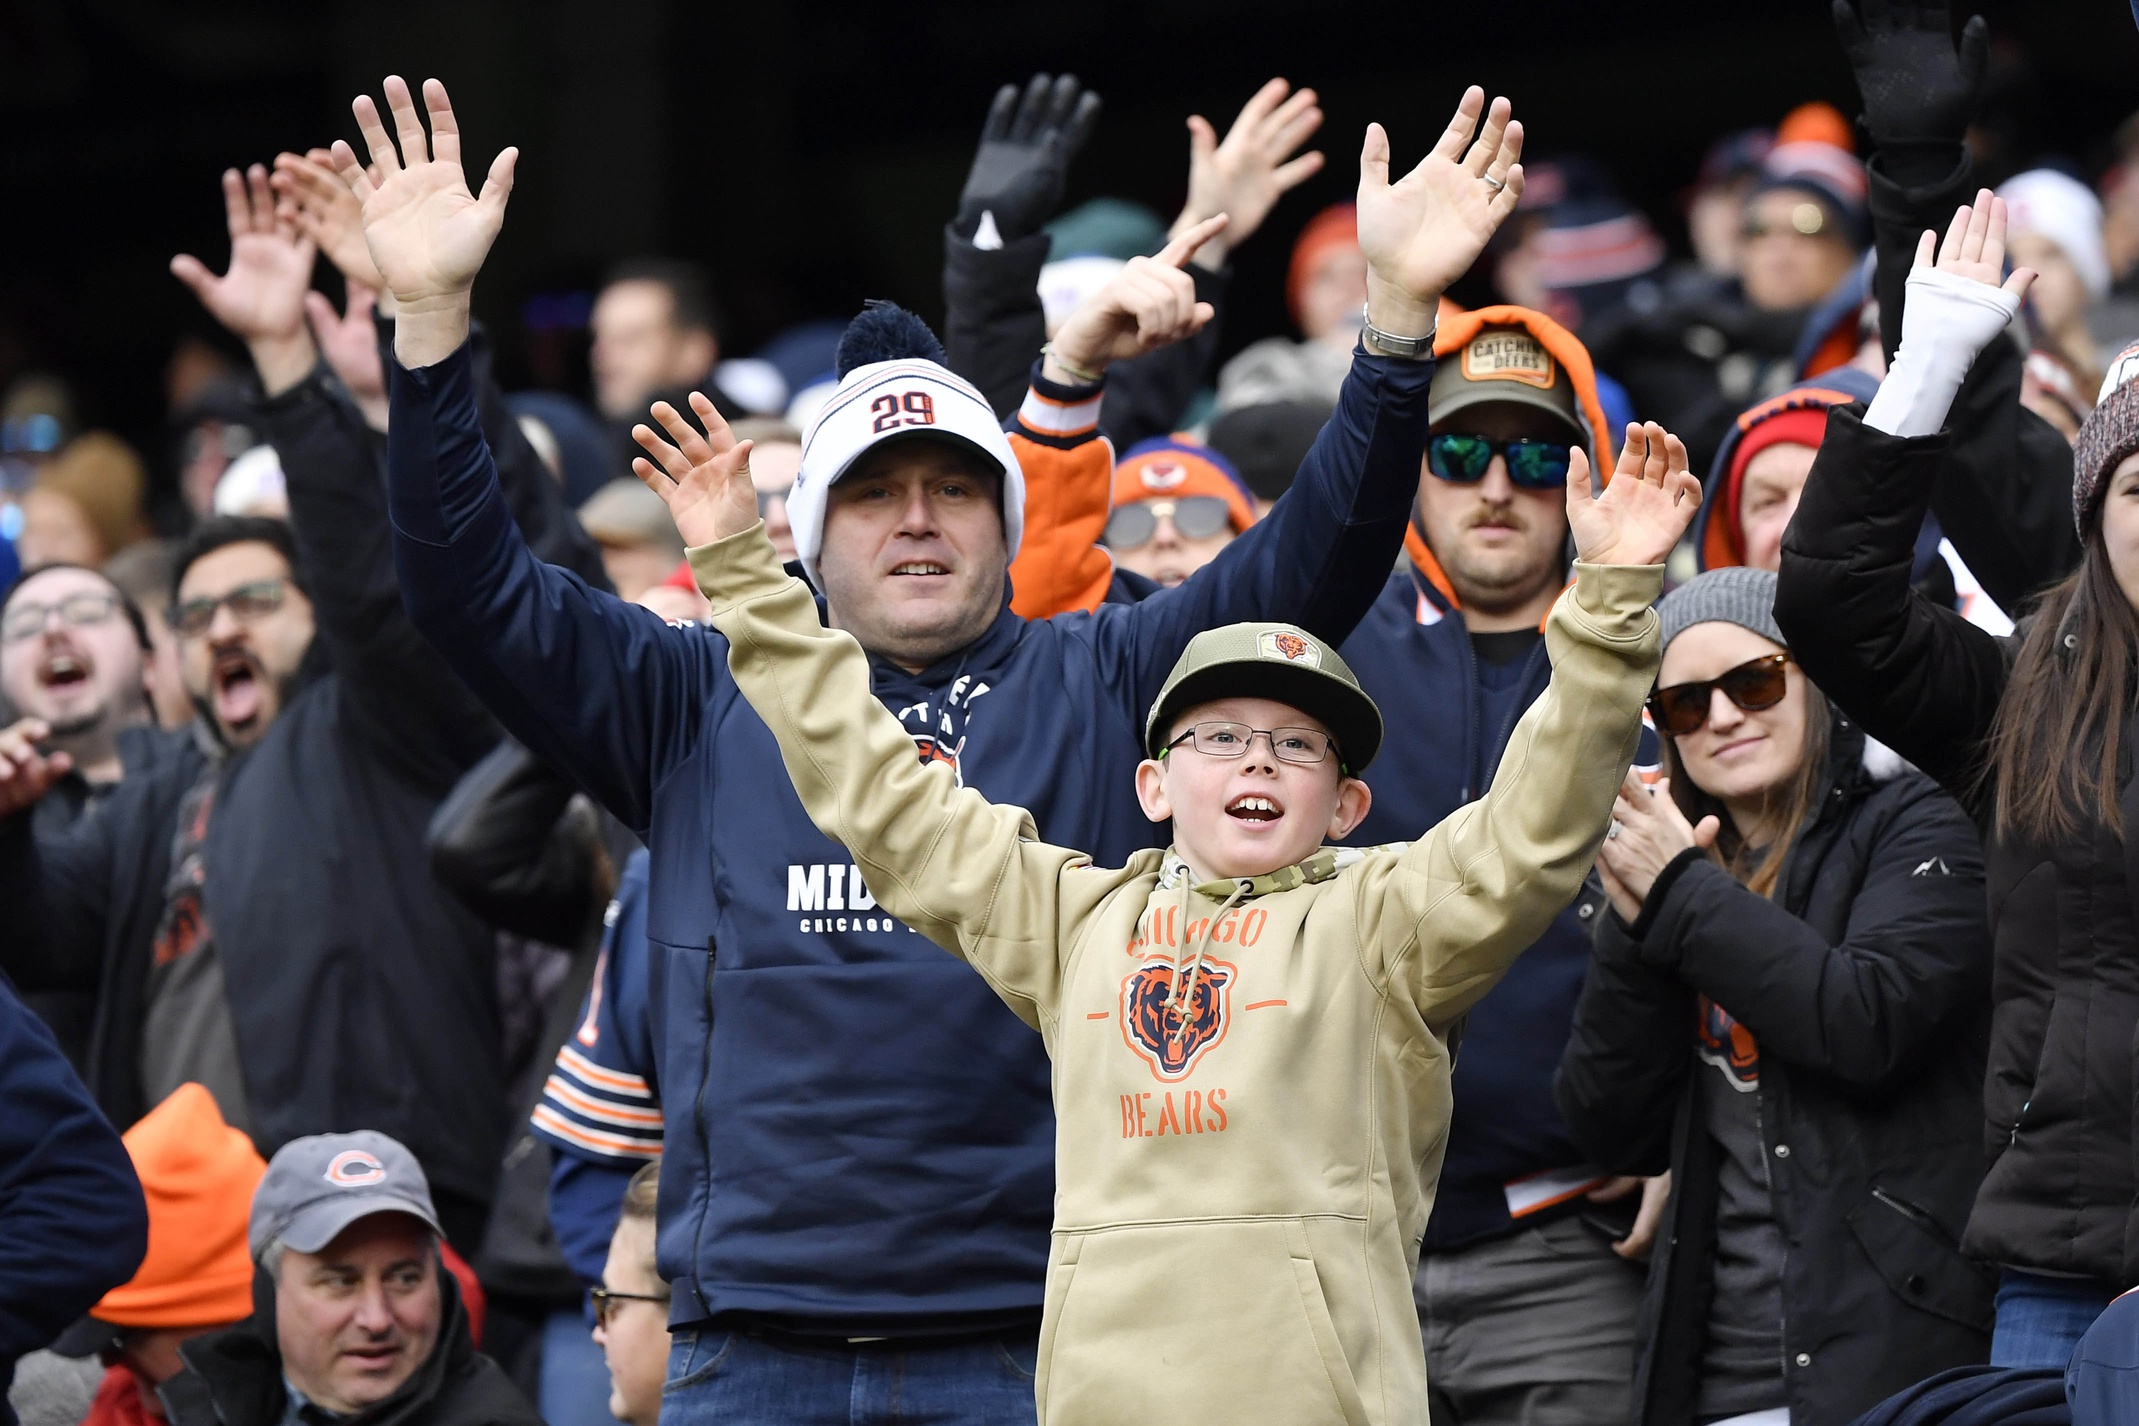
x: 317, y: 1186
x: 1504, y: 364
x: 1282, y: 662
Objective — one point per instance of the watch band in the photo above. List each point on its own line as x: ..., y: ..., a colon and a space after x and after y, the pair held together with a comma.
x: 1411, y: 348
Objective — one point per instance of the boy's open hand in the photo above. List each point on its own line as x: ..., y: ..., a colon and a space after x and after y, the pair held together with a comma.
x: 1424, y: 231
x: 1646, y: 505
x: 704, y: 480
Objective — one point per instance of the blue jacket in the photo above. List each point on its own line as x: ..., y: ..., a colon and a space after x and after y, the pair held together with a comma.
x: 600, y: 1110
x: 73, y: 1224
x: 1413, y: 656
x: 865, y: 1146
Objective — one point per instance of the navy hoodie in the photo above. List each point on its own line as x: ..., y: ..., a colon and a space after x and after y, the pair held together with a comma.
x: 860, y: 1139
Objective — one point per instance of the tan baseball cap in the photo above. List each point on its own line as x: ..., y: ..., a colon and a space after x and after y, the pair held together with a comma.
x: 1504, y: 364
x: 1282, y: 662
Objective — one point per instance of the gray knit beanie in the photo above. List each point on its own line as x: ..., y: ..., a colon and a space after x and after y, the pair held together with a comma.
x: 1738, y: 595
x: 2106, y: 437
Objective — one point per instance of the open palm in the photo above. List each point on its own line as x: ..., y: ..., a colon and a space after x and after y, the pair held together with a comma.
x: 1643, y: 509
x: 1424, y: 231
x: 428, y: 235
x: 261, y: 296
x: 703, y: 479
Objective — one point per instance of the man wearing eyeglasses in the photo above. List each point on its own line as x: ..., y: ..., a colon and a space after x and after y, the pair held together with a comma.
x: 74, y: 655
x: 1527, y: 1308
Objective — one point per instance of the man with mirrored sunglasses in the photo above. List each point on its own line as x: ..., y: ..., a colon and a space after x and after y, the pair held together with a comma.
x: 1527, y: 1306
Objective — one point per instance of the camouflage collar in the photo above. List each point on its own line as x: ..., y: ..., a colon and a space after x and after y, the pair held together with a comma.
x: 1323, y: 865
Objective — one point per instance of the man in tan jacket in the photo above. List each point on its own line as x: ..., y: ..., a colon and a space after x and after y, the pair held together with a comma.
x: 1250, y: 1032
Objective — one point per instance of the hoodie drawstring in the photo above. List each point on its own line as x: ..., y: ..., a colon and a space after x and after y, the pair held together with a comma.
x: 1182, y: 994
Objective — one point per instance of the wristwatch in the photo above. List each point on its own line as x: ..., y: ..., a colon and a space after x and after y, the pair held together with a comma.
x: 1411, y: 348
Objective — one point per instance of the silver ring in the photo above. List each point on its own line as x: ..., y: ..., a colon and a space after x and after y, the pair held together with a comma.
x: 1496, y: 184
x: 1612, y: 835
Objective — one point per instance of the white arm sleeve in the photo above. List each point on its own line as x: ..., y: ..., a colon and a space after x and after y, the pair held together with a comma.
x: 1948, y: 319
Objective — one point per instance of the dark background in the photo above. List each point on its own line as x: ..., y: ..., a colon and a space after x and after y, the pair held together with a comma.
x: 810, y: 153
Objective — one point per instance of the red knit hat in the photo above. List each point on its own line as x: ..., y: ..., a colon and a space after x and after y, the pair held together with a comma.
x: 1335, y: 227
x: 1800, y: 425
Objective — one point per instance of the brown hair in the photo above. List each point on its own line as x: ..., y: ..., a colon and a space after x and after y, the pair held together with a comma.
x: 1794, y: 802
x: 2053, y: 749
x: 640, y: 1198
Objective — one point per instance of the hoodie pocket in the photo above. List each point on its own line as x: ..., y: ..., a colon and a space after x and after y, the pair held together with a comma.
x: 1192, y: 1322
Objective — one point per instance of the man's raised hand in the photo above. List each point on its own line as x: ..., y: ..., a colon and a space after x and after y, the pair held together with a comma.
x: 1645, y: 506
x: 261, y: 297
x: 1150, y: 303
x: 26, y: 773
x: 427, y: 234
x: 703, y: 479
x: 350, y: 343
x: 1424, y: 231
x: 1024, y: 156
x: 313, y: 196
x: 1244, y: 176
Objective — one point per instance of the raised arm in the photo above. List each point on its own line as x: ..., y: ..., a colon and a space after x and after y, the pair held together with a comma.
x: 970, y: 875
x: 1321, y: 557
x: 2003, y: 498
x: 1917, y: 677
x: 1444, y: 920
x: 606, y: 693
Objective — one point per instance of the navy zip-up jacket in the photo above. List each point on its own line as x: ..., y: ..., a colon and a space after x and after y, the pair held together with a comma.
x: 1413, y: 656
x: 860, y: 1139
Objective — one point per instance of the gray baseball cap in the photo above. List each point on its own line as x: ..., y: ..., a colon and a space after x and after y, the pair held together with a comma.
x: 317, y: 1186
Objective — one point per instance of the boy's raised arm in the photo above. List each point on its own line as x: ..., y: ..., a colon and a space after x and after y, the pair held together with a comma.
x: 970, y: 875
x: 1452, y: 913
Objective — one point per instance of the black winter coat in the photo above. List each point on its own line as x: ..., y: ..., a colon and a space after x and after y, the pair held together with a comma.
x: 362, y: 994
x: 1863, y: 985
x: 2058, y: 1101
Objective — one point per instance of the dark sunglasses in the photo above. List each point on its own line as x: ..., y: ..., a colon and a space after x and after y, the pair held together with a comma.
x: 248, y: 601
x: 1197, y: 517
x: 1807, y: 220
x: 1760, y: 683
x: 1533, y: 465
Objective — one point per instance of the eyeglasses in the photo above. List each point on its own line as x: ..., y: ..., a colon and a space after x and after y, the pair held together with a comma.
x: 605, y: 1301
x: 766, y: 497
x: 1232, y: 740
x: 1756, y: 684
x: 1197, y: 517
x: 248, y: 602
x: 1807, y: 220
x: 1533, y: 465
x: 26, y: 620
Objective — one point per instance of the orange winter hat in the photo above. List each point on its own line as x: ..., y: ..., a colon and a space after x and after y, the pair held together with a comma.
x: 1169, y: 467
x: 198, y: 1174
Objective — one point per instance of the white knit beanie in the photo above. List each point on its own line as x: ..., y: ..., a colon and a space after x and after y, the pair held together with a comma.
x: 2064, y: 210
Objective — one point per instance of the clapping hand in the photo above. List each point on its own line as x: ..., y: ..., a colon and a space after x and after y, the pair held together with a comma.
x: 703, y: 479
x: 1150, y: 303
x: 1647, y: 832
x: 1424, y: 231
x: 427, y: 234
x: 1244, y: 175
x: 1644, y: 508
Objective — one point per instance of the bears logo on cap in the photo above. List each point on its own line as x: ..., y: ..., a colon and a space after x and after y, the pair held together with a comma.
x: 354, y: 1168
x: 1284, y: 644
x: 1164, y: 475
x: 1172, y: 1037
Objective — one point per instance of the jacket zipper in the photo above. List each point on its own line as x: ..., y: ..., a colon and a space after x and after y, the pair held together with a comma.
x: 705, y: 1138
x: 1916, y: 1215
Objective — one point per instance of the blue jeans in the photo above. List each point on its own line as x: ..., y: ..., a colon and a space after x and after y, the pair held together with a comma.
x: 721, y: 1378
x: 2041, y: 1319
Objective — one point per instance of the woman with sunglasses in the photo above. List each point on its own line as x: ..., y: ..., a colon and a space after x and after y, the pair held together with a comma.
x: 1785, y: 1008
x: 1176, y: 505
x: 2035, y: 734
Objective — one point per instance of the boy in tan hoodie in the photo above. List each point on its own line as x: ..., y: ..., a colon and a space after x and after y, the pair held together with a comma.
x: 1251, y: 1032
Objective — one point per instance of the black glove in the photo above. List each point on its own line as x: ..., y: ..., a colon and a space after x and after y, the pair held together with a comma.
x: 1024, y: 156
x: 1918, y: 87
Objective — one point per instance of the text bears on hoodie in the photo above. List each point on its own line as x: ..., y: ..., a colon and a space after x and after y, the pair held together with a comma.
x: 858, y: 1135
x: 1243, y: 1175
